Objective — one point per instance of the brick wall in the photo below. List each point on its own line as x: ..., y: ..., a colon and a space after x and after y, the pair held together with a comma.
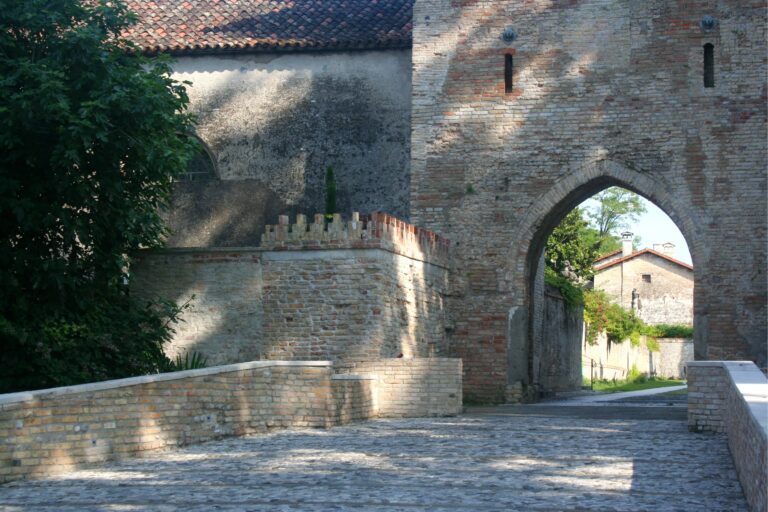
x: 225, y: 318
x: 605, y: 93
x: 56, y: 430
x: 368, y: 288
x: 414, y: 387
x: 732, y: 397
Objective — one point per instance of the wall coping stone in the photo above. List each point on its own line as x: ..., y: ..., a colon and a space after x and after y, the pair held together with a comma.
x: 27, y: 396
x: 352, y: 376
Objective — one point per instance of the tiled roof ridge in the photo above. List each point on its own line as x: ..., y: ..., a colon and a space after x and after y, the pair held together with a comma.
x: 206, y: 26
x: 604, y: 256
x: 639, y: 253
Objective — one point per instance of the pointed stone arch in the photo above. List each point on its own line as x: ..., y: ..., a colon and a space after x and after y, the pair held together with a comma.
x: 546, y: 212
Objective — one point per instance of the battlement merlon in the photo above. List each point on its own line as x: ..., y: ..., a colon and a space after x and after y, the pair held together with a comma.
x: 374, y: 231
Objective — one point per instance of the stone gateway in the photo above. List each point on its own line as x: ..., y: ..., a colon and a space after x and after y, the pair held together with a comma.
x: 518, y: 111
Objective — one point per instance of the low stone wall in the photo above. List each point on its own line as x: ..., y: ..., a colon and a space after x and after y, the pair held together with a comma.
x: 55, y: 430
x: 732, y: 397
x: 414, y: 387
x: 615, y: 360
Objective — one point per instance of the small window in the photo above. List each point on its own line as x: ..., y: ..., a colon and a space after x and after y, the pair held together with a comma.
x: 508, y: 72
x: 709, y: 65
x: 646, y: 278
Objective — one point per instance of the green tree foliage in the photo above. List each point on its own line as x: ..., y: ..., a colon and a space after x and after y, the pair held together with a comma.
x: 570, y: 246
x: 616, y: 209
x: 91, y: 134
x: 600, y: 314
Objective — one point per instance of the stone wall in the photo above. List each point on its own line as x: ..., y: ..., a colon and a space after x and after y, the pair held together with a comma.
x: 604, y: 93
x: 615, y: 360
x: 274, y: 122
x: 673, y: 356
x: 225, y: 292
x: 558, y: 358
x: 56, y: 430
x: 732, y: 397
x: 370, y: 288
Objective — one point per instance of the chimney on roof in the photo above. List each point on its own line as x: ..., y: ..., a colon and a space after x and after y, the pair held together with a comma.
x: 626, y: 243
x: 667, y: 248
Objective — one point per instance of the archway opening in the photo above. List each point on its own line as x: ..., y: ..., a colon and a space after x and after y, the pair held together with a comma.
x: 611, y: 247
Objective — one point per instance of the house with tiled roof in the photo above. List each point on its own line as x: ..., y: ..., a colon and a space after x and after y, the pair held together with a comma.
x: 650, y: 282
x: 282, y: 90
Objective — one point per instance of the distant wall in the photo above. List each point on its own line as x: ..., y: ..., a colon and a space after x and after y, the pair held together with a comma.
x: 354, y: 291
x: 56, y: 430
x: 673, y: 356
x: 615, y: 360
x: 275, y: 122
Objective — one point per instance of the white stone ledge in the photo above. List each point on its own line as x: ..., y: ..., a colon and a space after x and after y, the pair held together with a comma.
x: 27, y: 396
x: 352, y: 376
x: 197, y: 250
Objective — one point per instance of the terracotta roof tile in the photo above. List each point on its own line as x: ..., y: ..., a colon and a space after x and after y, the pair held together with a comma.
x: 268, y: 25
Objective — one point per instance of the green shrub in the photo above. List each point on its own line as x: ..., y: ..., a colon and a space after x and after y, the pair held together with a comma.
x: 671, y: 331
x: 572, y: 293
x: 635, y: 376
x: 181, y: 364
x: 330, y: 192
x: 114, y: 340
x: 652, y: 344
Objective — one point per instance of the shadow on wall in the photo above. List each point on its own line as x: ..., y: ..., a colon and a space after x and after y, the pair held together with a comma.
x: 272, y: 156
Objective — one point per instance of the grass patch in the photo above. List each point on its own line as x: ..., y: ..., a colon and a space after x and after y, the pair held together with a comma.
x: 610, y: 386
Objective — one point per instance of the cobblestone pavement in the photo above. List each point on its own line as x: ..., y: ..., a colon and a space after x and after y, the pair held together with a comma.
x: 528, y: 458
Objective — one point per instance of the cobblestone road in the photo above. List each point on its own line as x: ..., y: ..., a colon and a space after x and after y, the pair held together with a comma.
x: 506, y: 458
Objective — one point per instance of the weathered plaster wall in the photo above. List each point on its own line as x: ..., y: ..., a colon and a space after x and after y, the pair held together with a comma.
x: 605, y: 92
x: 667, y: 299
x: 350, y: 291
x: 275, y: 122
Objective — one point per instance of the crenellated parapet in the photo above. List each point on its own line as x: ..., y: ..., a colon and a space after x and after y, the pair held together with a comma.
x: 374, y: 231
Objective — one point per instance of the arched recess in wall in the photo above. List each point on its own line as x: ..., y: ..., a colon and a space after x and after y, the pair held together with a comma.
x: 202, y: 166
x: 568, y: 192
